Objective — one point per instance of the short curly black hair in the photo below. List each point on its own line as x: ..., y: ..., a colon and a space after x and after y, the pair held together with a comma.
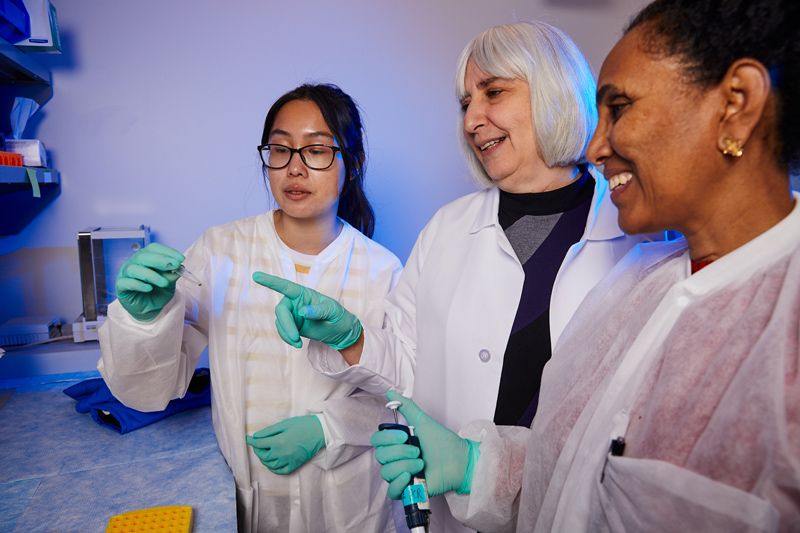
x: 710, y: 35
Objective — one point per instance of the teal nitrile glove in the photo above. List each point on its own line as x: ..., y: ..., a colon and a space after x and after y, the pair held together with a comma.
x: 400, y: 460
x: 287, y: 445
x: 304, y: 311
x: 448, y: 459
x: 146, y: 283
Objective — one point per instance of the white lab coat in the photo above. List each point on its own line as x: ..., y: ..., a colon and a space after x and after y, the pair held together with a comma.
x: 700, y: 374
x: 450, y: 316
x: 257, y: 379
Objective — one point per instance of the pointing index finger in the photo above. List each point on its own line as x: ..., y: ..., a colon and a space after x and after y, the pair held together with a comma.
x: 283, y: 286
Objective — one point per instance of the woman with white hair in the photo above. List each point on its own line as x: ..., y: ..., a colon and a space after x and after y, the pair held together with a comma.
x: 495, y: 276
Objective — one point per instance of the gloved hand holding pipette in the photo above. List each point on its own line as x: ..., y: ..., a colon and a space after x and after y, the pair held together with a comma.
x: 306, y: 312
x: 146, y: 281
x: 449, y: 460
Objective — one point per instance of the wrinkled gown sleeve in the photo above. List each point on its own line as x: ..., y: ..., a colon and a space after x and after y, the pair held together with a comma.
x: 389, y: 357
x: 152, y: 362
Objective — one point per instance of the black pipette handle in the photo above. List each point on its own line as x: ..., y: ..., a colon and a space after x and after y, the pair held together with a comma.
x: 415, y: 498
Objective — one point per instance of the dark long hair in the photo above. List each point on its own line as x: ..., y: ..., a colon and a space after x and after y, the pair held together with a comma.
x: 342, y: 116
x: 710, y: 35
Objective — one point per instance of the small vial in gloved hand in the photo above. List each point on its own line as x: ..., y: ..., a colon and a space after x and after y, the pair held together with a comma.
x: 183, y: 272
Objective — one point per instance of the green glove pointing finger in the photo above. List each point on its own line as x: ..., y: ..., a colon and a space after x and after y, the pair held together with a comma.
x: 305, y: 312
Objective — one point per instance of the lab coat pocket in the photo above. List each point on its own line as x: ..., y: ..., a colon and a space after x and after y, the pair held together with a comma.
x: 650, y: 495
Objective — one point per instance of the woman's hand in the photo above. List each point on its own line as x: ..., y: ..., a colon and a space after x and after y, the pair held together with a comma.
x: 304, y: 311
x: 448, y: 459
x: 146, y: 283
x: 286, y: 446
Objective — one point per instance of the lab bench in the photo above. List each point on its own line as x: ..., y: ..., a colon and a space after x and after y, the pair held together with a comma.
x: 55, y: 358
x: 61, y: 471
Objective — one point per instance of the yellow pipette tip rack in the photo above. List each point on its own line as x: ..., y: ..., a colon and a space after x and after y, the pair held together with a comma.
x: 174, y: 519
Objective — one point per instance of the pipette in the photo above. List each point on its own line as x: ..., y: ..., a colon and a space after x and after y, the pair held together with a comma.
x: 416, y: 504
x: 183, y: 272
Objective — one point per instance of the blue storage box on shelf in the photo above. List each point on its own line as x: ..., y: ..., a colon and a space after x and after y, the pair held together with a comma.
x: 15, y: 23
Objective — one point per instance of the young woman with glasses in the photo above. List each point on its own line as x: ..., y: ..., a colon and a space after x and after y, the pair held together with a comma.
x: 296, y: 441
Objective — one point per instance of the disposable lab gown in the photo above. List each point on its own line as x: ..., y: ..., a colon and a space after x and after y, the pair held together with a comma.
x: 450, y: 316
x: 257, y: 379
x: 698, y: 373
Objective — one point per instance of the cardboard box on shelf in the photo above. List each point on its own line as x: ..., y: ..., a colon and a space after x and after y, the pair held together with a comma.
x: 31, y: 150
x: 44, y: 28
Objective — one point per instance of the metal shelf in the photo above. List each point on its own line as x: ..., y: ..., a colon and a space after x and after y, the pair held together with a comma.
x: 19, y: 68
x: 20, y: 175
x: 17, y: 202
x: 21, y: 75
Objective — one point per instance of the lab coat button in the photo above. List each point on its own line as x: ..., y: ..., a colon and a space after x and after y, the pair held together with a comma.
x: 682, y: 301
x: 296, y: 502
x: 484, y: 355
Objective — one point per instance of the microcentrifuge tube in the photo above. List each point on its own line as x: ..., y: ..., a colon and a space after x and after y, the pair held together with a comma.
x: 184, y: 273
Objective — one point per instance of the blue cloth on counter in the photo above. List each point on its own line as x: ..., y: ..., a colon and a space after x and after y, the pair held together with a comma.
x: 80, y: 474
x: 94, y: 397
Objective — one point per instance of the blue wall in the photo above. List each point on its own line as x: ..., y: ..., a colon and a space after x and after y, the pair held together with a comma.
x: 158, y: 105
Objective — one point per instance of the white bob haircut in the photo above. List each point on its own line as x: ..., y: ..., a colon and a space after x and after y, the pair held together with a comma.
x: 561, y: 82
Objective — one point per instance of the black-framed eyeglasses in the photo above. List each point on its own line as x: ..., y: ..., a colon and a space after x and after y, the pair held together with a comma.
x: 314, y: 156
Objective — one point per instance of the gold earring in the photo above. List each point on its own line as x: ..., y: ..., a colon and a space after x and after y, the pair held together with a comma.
x: 732, y: 147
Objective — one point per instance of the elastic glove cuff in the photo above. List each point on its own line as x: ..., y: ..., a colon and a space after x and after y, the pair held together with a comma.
x: 349, y: 340
x: 474, y: 455
x: 321, y: 441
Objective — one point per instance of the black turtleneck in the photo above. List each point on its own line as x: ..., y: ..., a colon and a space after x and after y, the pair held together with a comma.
x: 541, y: 228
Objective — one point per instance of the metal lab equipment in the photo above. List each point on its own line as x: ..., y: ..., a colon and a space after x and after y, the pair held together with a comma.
x: 101, y: 253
